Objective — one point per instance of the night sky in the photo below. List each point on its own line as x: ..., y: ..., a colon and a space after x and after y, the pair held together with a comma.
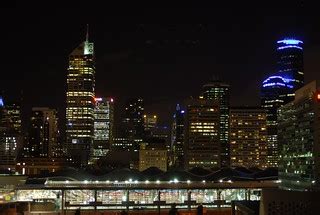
x: 162, y: 55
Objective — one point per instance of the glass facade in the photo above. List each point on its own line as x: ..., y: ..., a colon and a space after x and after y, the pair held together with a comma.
x: 279, y: 89
x: 80, y: 103
x: 219, y: 91
x: 290, y: 62
x: 10, y: 133
x: 298, y: 138
x: 103, y: 127
x: 121, y: 198
x: 274, y: 93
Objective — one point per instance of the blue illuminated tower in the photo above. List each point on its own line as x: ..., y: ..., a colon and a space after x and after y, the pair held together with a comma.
x: 279, y: 88
x: 290, y: 64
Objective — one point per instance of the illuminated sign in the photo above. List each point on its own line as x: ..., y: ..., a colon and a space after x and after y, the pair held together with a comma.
x: 88, y: 48
x: 98, y: 99
x: 1, y: 102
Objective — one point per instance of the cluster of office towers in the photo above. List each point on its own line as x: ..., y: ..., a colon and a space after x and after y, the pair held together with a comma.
x: 205, y: 132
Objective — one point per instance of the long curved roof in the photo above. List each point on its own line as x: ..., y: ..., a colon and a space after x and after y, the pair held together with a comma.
x: 154, y: 174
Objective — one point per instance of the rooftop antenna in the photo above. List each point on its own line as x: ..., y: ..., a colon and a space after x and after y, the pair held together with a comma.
x: 87, y: 35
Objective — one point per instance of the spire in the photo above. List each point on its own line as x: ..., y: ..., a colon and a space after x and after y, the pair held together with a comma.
x: 177, y: 107
x: 87, y: 35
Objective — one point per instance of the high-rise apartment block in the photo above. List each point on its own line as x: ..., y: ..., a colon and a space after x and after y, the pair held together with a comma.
x: 80, y: 103
x: 248, y: 144
x: 298, y: 140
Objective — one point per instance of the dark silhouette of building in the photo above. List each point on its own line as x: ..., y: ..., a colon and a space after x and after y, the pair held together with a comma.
x: 133, y: 122
x: 177, y: 138
x: 43, y: 133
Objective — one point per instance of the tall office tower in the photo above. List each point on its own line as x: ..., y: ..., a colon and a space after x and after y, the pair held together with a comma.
x: 219, y: 91
x: 43, y: 134
x: 11, y: 140
x: 278, y: 89
x: 273, y: 92
x: 133, y: 123
x: 177, y: 138
x: 298, y: 138
x: 8, y: 139
x: 80, y: 103
x: 202, y: 140
x: 103, y: 127
x: 248, y: 133
x: 150, y: 121
x: 290, y: 63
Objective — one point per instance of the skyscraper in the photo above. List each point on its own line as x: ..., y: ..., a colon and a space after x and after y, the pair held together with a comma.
x: 298, y: 139
x: 273, y: 95
x: 219, y: 91
x: 202, y: 139
x: 290, y: 63
x: 133, y: 122
x: 248, y: 143
x: 279, y: 88
x: 10, y: 133
x: 177, y: 138
x: 103, y: 127
x: 80, y: 102
x: 43, y: 133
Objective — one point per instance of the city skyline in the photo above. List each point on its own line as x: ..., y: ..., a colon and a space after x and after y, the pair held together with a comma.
x: 169, y: 52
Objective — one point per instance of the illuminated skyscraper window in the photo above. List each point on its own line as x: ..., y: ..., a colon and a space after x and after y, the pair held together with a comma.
x: 103, y: 127
x: 202, y: 139
x: 219, y: 92
x: 279, y: 88
x: 80, y: 102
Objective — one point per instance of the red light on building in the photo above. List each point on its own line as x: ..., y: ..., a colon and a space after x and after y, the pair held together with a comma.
x: 111, y: 99
x: 318, y: 96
